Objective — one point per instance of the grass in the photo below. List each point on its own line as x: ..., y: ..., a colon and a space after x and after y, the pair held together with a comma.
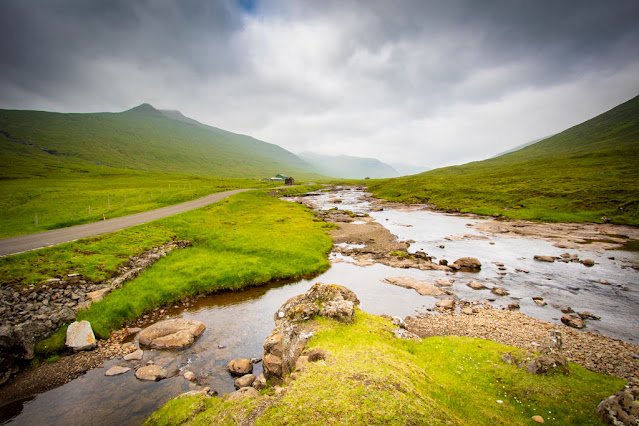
x: 144, y: 139
x: 371, y: 377
x: 248, y: 239
x: 579, y: 175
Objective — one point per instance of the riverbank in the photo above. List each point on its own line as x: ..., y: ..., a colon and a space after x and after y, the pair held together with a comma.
x: 597, y: 353
x: 367, y: 375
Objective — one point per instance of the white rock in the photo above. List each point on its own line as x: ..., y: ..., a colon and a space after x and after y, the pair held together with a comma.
x: 117, y: 370
x: 80, y: 336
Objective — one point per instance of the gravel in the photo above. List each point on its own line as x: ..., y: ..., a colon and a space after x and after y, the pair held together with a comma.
x: 598, y: 353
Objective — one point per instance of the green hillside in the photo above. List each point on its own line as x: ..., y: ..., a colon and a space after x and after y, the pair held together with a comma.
x: 70, y: 169
x: 144, y: 138
x: 580, y: 174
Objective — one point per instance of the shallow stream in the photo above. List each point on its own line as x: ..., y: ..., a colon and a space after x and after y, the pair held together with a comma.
x: 238, y: 322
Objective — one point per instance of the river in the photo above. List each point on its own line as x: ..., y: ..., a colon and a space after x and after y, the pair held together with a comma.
x: 238, y: 322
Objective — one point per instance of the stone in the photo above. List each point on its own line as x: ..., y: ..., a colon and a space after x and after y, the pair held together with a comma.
x: 467, y: 311
x: 573, y: 321
x: 190, y: 376
x: 116, y: 371
x: 256, y: 360
x: 260, y: 382
x: 604, y: 282
x: 273, y: 344
x: 404, y: 334
x: 622, y: 408
x: 588, y: 315
x: 304, y: 306
x: 244, y: 381
x: 133, y: 356
x: 499, y: 291
x: 544, y: 258
x: 588, y: 262
x: 445, y: 283
x: 475, y: 285
x: 80, y: 336
x: 513, y: 306
x: 98, y: 295
x: 446, y: 304
x: 468, y: 264
x: 342, y: 310
x: 272, y: 365
x: 171, y: 334
x: 425, y: 289
x: 537, y: 419
x: 567, y: 310
x: 240, y: 366
x: 301, y: 363
x: 539, y: 301
x: 151, y: 373
x: 243, y: 393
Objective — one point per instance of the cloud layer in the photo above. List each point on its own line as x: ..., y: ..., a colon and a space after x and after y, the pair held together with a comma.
x: 426, y: 83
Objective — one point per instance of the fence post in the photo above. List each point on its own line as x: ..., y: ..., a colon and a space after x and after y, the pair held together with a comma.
x: 36, y: 219
x: 89, y: 211
x: 109, y: 203
x: 125, y: 199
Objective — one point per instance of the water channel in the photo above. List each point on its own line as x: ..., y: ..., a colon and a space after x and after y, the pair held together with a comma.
x: 238, y: 322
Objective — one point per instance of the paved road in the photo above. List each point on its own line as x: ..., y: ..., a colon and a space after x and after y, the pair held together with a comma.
x: 57, y: 236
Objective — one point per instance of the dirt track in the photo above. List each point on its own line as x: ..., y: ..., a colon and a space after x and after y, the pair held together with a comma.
x: 57, y: 236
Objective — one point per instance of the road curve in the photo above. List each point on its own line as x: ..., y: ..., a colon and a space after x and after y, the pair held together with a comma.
x: 38, y: 240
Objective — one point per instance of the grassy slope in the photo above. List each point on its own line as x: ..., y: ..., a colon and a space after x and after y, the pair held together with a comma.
x: 581, y: 174
x: 248, y: 239
x: 143, y: 138
x: 370, y: 377
x: 60, y: 187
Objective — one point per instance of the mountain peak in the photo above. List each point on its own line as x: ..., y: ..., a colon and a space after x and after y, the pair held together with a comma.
x: 144, y: 109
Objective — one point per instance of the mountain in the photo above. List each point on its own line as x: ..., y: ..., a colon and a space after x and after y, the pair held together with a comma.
x: 522, y: 146
x: 347, y: 167
x: 145, y: 138
x: 584, y: 173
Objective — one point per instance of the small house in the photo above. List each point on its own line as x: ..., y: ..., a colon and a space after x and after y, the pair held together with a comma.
x: 289, y: 181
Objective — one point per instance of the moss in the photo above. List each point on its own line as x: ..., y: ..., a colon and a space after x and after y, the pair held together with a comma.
x: 367, y: 376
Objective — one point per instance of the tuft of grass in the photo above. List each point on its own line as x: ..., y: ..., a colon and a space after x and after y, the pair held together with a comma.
x: 370, y: 377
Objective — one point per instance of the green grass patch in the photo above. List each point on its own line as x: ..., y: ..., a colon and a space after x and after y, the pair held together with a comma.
x: 579, y: 175
x: 248, y: 239
x: 371, y: 377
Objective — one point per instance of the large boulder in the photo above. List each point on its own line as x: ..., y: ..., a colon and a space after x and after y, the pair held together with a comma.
x: 284, y: 345
x: 244, y: 381
x: 304, y: 306
x: 467, y: 264
x: 420, y: 287
x: 171, y: 334
x: 80, y: 336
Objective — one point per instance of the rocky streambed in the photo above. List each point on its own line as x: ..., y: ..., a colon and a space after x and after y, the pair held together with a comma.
x: 399, y: 260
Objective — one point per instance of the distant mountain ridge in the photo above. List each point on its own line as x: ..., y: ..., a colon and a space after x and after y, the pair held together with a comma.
x: 522, y: 146
x: 349, y: 167
x: 145, y: 138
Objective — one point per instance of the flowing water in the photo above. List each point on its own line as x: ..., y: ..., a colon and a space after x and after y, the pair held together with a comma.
x: 238, y: 322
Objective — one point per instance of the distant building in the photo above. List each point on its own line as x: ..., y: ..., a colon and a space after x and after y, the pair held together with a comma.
x: 289, y: 181
x: 281, y: 178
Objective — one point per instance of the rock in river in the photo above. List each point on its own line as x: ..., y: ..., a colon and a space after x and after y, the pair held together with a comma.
x: 573, y: 321
x: 171, y: 334
x: 475, y: 285
x: 544, y: 258
x: 240, y: 366
x: 80, y: 336
x: 467, y: 264
x: 116, y: 371
x: 152, y: 373
x: 420, y: 287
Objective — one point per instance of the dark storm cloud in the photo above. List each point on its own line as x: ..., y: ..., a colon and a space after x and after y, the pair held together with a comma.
x: 374, y: 77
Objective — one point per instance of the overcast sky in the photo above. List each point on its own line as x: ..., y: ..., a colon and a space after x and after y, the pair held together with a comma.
x: 428, y: 83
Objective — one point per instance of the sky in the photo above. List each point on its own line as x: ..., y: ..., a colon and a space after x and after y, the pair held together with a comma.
x: 420, y: 82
